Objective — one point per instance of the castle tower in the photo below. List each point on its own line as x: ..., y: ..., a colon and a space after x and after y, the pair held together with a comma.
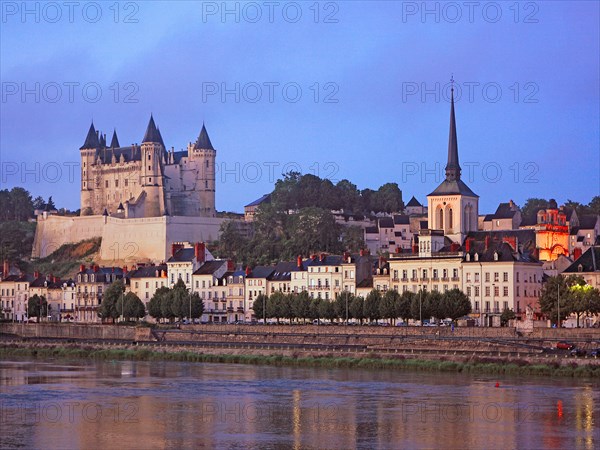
x: 88, y: 155
x: 152, y: 173
x: 453, y: 206
x: 204, y: 152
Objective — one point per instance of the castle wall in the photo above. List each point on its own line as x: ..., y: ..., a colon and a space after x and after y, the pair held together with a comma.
x: 124, y: 240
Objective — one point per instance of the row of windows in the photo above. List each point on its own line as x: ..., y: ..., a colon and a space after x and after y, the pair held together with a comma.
x: 425, y: 272
x: 496, y: 309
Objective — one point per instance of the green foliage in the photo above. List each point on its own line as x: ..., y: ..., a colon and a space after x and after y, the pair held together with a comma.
x: 130, y: 306
x: 507, y: 315
x: 162, y: 295
x: 404, y: 305
x: 357, y: 308
x: 15, y: 204
x: 389, y: 307
x: 37, y: 306
x: 16, y: 241
x: 259, y: 306
x: 372, y: 302
x: 65, y: 261
x: 557, y: 290
x: 454, y: 304
x: 176, y: 302
x: 112, y: 296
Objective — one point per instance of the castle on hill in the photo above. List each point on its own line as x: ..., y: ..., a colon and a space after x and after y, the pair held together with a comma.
x: 147, y: 180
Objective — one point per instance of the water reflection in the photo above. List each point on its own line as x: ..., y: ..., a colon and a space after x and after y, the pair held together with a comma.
x: 172, y: 405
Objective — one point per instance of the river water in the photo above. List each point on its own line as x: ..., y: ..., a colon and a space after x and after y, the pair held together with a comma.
x: 146, y: 405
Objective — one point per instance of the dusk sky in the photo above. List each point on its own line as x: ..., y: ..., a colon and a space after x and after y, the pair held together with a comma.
x: 360, y: 90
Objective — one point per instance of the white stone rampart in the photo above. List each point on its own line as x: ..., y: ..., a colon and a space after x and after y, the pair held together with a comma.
x: 124, y: 240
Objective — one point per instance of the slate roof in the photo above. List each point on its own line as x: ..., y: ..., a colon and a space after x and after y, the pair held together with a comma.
x: 152, y: 134
x: 401, y: 219
x: 114, y: 142
x: 148, y: 271
x: 210, y: 267
x: 329, y: 260
x: 264, y: 199
x: 453, y: 187
x: 372, y: 230
x: 283, y: 271
x: 589, y: 261
x: 413, y: 202
x: 103, y: 272
x: 183, y: 255
x: 91, y: 140
x: 386, y: 222
x: 588, y: 221
x: 261, y: 272
x: 203, y: 141
x: 129, y: 154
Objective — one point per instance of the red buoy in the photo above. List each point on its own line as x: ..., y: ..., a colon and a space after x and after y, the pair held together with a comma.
x: 497, y: 384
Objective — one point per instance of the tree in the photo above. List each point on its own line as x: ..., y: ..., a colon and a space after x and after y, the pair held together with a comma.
x: 584, y: 299
x: 594, y: 205
x: 557, y: 290
x: 259, y: 306
x: 22, y: 203
x: 342, y: 305
x: 433, y: 305
x: 39, y: 203
x: 197, y: 306
x: 155, y: 304
x: 112, y: 295
x: 419, y: 306
x: 327, y: 310
x: 130, y: 306
x: 389, y: 305
x: 231, y: 243
x: 404, y: 306
x: 532, y: 205
x: 301, y: 305
x: 388, y: 198
x: 276, y: 306
x: 353, y: 238
x: 50, y: 206
x: 315, y: 308
x: 507, y: 315
x: 357, y: 308
x: 372, y: 305
x: 455, y: 304
x: 180, y: 300
x: 37, y: 306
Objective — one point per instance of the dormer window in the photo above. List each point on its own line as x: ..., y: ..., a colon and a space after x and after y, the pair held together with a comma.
x: 468, y: 257
x: 579, y: 268
x: 495, y: 256
x: 476, y: 256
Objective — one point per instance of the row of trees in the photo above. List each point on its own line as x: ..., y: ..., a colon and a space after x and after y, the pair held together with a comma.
x: 389, y: 306
x: 533, y: 204
x: 569, y: 295
x: 115, y: 303
x: 295, y: 191
x: 18, y: 205
x: 178, y: 302
x: 279, y: 236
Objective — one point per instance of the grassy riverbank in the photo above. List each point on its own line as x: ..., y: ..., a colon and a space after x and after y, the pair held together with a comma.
x: 475, y: 366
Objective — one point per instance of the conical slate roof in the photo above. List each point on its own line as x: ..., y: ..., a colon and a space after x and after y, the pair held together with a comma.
x: 203, y: 141
x: 152, y: 134
x: 114, y: 143
x: 91, y: 140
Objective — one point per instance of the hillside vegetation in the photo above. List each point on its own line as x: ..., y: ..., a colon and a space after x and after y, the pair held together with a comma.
x: 65, y: 261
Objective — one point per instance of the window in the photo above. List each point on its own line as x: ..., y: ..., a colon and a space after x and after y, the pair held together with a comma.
x: 487, y: 277
x: 105, y: 183
x: 445, y: 273
x: 424, y: 274
x: 487, y: 291
x: 455, y: 272
x: 505, y: 305
x: 517, y: 277
x: 487, y: 306
x: 518, y: 293
x: 496, y: 277
x: 414, y: 274
x: 468, y: 277
x: 496, y: 291
x: 468, y: 291
x: 405, y: 274
x: 476, y: 306
x: 207, y: 163
x: 476, y: 291
x: 505, y: 291
x: 505, y: 277
x: 435, y: 273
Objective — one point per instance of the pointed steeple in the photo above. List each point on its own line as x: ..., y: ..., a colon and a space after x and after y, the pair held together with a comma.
x: 152, y: 134
x: 452, y: 167
x: 160, y: 138
x: 203, y: 141
x: 102, y: 140
x: 91, y: 140
x: 114, y: 143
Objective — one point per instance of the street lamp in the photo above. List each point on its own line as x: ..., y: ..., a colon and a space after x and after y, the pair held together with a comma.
x: 190, y: 305
x: 264, y: 310
x: 420, y: 308
x: 347, y: 294
x: 558, y: 305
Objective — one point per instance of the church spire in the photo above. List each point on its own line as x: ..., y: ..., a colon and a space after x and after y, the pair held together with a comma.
x: 114, y: 143
x: 203, y: 141
x: 452, y: 167
x: 152, y: 134
x: 91, y: 140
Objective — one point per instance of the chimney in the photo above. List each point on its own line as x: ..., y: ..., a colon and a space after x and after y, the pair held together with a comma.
x: 454, y: 247
x: 248, y: 271
x: 381, y: 262
x: 82, y: 268
x: 230, y: 265
x: 313, y: 257
x: 322, y: 257
x: 577, y: 253
x: 200, y: 252
x: 124, y: 270
x: 487, y: 242
x: 96, y: 268
x: 175, y: 247
x: 36, y: 274
x: 6, y: 268
x: 415, y: 248
x: 468, y: 245
x: 299, y: 262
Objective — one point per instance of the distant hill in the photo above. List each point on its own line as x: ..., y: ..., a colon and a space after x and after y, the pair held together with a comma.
x: 65, y: 261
